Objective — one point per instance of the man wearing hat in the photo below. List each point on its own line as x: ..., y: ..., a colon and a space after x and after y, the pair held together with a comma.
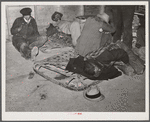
x: 72, y: 28
x: 25, y: 32
x: 94, y: 29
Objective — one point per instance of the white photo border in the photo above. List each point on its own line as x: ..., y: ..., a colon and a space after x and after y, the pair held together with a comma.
x: 24, y: 116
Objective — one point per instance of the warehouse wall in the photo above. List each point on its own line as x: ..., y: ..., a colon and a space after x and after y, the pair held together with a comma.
x: 42, y: 14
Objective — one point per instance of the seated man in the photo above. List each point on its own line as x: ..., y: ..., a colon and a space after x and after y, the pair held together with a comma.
x: 25, y: 34
x: 95, y: 34
x: 72, y: 28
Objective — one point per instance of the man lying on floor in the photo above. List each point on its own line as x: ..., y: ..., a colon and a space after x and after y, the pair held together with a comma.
x: 72, y: 28
x: 95, y: 60
x: 99, y: 67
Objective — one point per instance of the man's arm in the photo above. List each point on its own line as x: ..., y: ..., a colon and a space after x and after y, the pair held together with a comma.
x: 109, y: 27
x: 17, y: 26
x: 36, y: 32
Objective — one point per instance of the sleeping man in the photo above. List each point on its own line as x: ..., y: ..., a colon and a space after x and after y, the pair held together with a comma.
x: 72, y: 28
x: 96, y: 54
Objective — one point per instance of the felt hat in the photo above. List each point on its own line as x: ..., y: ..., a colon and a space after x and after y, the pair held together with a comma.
x: 81, y: 19
x: 53, y: 16
x: 104, y: 17
x: 26, y: 11
x: 93, y: 94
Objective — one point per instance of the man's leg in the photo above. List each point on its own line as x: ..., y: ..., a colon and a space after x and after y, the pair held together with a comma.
x: 116, y: 15
x: 120, y: 55
x: 127, y: 14
x: 36, y: 44
x: 25, y: 51
x: 141, y: 37
x: 135, y: 62
x: 17, y: 42
x: 114, y: 55
x: 75, y: 32
x: 37, y: 41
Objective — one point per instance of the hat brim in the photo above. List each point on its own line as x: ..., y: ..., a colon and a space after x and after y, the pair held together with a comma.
x: 102, y: 17
x: 140, y: 14
x: 95, y: 98
x: 26, y: 11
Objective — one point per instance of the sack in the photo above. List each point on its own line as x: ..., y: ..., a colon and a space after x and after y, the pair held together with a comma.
x: 51, y: 30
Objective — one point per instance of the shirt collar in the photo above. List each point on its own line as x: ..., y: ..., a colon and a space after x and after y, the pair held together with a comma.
x: 27, y: 21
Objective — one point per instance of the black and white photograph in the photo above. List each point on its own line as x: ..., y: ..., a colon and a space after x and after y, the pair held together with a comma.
x: 75, y: 60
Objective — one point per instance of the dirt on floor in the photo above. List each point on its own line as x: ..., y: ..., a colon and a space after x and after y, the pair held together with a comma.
x: 122, y: 94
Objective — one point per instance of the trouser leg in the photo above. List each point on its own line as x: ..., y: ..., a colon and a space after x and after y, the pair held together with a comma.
x: 134, y: 60
x: 39, y: 42
x: 17, y: 42
x: 117, y: 19
x: 114, y: 55
x: 109, y: 73
x: 120, y: 55
x: 127, y: 14
x: 21, y: 45
x: 25, y: 51
x: 141, y: 36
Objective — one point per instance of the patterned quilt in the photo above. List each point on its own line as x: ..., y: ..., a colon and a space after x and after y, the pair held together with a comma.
x: 58, y: 40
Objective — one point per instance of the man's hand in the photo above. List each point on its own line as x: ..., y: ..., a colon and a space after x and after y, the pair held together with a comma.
x: 19, y: 29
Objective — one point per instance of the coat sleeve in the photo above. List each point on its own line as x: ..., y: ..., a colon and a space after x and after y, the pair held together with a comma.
x: 108, y: 27
x: 15, y: 26
x: 36, y: 32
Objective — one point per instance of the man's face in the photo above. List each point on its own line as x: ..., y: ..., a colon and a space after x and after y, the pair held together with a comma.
x: 27, y: 17
x: 57, y: 17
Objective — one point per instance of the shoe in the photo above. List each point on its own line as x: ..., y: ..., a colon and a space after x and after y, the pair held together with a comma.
x: 31, y: 75
x: 34, y: 53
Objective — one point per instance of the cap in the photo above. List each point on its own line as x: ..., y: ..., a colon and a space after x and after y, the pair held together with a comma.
x: 26, y: 11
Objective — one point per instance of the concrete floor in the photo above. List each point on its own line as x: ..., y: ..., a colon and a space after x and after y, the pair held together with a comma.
x: 122, y: 94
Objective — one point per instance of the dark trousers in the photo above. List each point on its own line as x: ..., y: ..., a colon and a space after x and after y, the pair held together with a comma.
x: 141, y: 36
x: 122, y: 18
x: 17, y: 41
x: 76, y: 65
x: 24, y: 46
x: 114, y: 55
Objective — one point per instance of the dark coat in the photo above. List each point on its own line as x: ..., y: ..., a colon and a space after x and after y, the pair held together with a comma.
x: 28, y: 33
x: 78, y: 65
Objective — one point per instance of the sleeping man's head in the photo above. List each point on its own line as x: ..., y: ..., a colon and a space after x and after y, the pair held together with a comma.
x: 56, y: 16
x: 91, y: 69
